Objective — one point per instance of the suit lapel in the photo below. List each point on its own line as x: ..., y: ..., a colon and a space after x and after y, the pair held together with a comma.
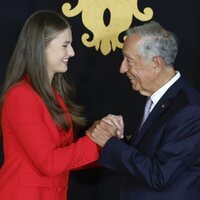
x: 165, y: 105
x: 153, y: 116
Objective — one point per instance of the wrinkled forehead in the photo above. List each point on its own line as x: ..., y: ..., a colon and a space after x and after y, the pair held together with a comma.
x: 131, y: 43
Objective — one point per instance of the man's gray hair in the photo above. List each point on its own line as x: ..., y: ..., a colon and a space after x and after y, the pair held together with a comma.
x: 156, y: 41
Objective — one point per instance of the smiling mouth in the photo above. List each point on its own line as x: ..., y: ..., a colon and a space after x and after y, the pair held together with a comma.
x: 65, y: 61
x: 130, y: 77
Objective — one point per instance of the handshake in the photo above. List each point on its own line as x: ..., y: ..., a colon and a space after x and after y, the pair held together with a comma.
x: 102, y: 130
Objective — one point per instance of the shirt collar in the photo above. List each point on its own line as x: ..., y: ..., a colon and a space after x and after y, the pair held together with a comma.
x: 156, y: 96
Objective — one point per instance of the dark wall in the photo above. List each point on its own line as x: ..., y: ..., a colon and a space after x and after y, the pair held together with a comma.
x: 101, y: 88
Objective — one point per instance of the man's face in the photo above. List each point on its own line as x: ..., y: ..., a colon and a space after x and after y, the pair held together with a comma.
x: 140, y: 72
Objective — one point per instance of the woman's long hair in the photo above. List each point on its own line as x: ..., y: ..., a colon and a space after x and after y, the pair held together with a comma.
x: 29, y: 59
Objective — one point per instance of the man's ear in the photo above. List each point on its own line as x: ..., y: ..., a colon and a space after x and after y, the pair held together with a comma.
x: 157, y: 64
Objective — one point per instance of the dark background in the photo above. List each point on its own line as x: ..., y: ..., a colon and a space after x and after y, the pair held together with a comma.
x: 100, y: 86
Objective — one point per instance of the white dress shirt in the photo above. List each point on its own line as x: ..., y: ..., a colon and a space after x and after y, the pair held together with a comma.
x: 156, y: 96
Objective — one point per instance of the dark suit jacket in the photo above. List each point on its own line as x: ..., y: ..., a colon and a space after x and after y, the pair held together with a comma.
x: 162, y: 161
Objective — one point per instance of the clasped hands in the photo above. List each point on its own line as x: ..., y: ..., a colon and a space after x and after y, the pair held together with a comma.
x: 102, y: 130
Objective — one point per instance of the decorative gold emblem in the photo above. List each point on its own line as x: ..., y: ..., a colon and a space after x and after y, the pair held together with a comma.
x: 106, y: 36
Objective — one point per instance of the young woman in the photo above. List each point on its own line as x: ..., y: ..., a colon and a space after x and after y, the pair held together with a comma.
x: 38, y: 116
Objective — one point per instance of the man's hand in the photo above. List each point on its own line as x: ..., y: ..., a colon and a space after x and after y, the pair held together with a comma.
x: 116, y: 120
x: 101, y: 131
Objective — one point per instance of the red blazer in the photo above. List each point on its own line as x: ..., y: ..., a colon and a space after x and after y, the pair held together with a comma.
x: 38, y: 155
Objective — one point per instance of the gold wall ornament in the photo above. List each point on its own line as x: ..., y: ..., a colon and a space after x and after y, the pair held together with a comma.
x: 106, y: 36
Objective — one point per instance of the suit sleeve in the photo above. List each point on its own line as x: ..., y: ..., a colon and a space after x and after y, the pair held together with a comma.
x: 179, y: 149
x: 24, y: 112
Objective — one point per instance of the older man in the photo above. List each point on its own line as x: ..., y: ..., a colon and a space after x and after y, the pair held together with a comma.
x: 162, y: 159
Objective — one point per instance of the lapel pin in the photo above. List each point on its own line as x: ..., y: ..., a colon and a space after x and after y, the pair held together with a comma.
x: 163, y: 105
